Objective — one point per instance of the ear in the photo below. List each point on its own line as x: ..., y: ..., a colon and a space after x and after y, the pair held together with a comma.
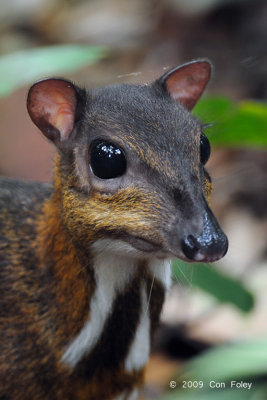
x: 52, y: 106
x: 187, y: 82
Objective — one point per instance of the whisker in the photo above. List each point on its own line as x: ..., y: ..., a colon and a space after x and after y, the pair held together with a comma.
x: 189, y: 281
x: 235, y: 173
x: 150, y: 292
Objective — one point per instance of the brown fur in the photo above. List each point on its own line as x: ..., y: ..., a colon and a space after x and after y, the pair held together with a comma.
x: 62, y: 287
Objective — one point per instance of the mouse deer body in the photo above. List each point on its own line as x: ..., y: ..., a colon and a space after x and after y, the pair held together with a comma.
x: 85, y: 262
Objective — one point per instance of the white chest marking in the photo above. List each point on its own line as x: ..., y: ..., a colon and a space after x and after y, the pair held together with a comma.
x: 161, y: 270
x: 140, y: 348
x: 112, y: 273
x: 115, y: 265
x: 133, y: 395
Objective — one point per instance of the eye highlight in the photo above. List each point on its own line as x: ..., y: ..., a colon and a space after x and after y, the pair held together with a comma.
x: 204, y: 149
x: 107, y: 160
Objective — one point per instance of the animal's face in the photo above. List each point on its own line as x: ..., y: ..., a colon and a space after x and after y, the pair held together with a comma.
x: 132, y: 164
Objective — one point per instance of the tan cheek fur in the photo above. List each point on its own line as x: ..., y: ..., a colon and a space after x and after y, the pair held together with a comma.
x: 207, y: 189
x: 128, y: 210
x: 131, y: 210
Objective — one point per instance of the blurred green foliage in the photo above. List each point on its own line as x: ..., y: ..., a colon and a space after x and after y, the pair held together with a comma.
x: 233, y: 124
x: 24, y: 67
x: 208, y: 278
x: 243, y: 362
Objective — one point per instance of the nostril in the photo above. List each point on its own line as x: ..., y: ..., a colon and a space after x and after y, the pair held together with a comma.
x: 225, y: 246
x: 201, y: 250
x: 190, y: 247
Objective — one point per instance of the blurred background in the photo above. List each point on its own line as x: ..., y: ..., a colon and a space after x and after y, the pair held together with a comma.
x: 210, y: 311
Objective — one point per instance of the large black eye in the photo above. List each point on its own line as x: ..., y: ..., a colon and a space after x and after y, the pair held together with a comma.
x: 204, y: 149
x: 107, y: 160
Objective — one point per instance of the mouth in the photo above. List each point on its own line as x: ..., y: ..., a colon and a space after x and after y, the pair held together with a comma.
x: 142, y: 244
x: 200, y: 257
x: 151, y: 248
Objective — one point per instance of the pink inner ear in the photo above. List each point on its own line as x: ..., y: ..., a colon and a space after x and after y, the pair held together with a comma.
x: 52, y: 102
x: 187, y: 83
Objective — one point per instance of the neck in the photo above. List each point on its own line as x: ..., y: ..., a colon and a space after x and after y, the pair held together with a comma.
x: 124, y: 309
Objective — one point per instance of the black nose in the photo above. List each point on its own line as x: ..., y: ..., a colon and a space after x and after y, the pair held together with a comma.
x: 210, y: 245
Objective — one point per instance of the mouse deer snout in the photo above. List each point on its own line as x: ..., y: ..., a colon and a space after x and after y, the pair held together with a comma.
x: 209, y: 245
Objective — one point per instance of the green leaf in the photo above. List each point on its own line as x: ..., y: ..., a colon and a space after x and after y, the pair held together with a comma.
x: 244, y: 361
x: 224, y: 288
x: 234, y: 124
x: 23, y: 67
